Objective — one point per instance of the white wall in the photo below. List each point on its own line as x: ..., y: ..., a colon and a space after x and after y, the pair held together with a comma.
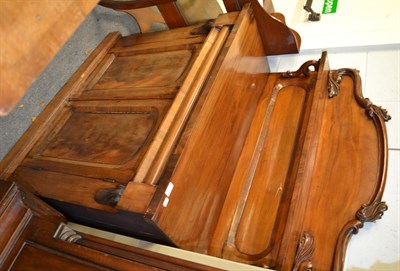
x: 355, y: 23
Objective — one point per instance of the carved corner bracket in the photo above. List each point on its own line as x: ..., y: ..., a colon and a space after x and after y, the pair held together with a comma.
x: 65, y: 233
x: 305, y: 251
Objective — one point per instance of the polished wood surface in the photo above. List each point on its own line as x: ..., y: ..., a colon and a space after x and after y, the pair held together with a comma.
x: 354, y: 139
x: 122, y: 120
x: 264, y: 177
x: 202, y: 177
x: 32, y: 33
x: 276, y: 37
x: 35, y: 237
x: 214, y: 154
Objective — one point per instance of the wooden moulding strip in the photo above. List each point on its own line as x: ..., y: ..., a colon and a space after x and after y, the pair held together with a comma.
x: 155, y: 46
x: 51, y: 112
x: 295, y: 218
x: 157, y: 156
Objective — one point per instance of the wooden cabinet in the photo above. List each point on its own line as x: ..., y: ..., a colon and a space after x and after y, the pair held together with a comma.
x: 186, y: 138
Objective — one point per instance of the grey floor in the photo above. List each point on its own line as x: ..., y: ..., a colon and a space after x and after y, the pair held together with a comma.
x: 91, y: 32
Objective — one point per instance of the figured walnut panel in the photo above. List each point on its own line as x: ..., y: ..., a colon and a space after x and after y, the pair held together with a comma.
x: 145, y: 70
x: 56, y: 108
x: 109, y: 134
x: 101, y: 140
x: 350, y: 172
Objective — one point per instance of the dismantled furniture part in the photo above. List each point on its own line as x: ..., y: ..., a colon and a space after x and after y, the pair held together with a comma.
x: 184, y: 137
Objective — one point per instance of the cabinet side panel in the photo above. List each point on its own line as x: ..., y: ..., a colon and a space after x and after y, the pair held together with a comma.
x: 204, y: 170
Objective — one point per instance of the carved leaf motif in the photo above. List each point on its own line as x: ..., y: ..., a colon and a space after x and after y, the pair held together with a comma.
x: 372, y: 212
x: 334, y: 80
x: 378, y: 110
x: 305, y: 250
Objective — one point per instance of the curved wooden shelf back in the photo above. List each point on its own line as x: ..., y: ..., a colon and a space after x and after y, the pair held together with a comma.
x: 374, y: 208
x: 276, y: 36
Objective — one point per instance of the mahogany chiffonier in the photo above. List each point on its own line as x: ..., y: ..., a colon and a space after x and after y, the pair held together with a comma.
x: 184, y: 137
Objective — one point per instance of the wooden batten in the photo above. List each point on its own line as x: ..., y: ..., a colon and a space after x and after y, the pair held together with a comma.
x: 297, y: 201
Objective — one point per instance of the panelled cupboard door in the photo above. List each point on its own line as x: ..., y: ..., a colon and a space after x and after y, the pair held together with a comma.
x: 99, y: 137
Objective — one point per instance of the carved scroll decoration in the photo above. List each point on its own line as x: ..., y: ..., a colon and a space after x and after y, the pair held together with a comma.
x: 375, y: 208
x: 334, y: 80
x: 65, y: 233
x: 303, y: 71
x: 305, y: 251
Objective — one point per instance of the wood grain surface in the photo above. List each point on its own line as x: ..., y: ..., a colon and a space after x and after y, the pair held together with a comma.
x: 214, y: 154
x: 32, y: 32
